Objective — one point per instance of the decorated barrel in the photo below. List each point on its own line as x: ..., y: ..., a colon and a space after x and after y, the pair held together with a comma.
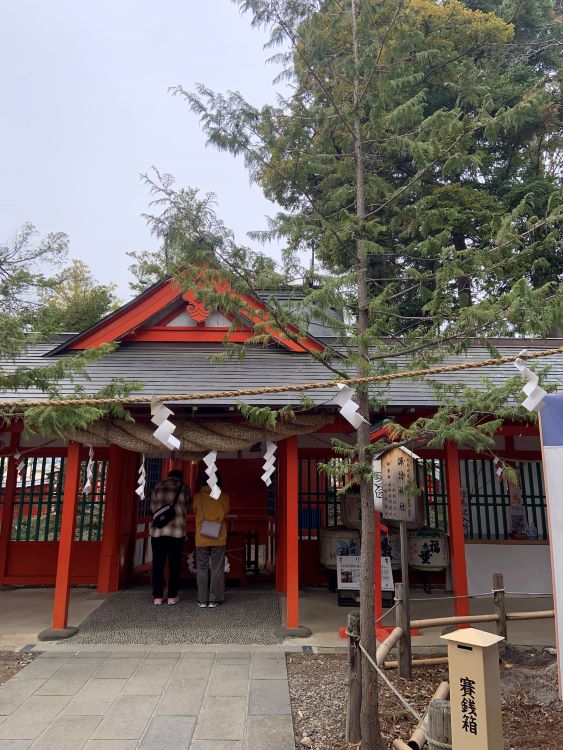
x: 391, y: 547
x: 351, y: 511
x: 337, y: 542
x: 428, y: 549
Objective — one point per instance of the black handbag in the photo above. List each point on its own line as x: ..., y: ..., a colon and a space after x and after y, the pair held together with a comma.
x: 166, y: 513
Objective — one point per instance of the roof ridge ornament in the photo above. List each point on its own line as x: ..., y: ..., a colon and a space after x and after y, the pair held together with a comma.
x: 195, y: 307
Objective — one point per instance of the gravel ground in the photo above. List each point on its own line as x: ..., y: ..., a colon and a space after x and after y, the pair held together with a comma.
x: 11, y: 662
x: 532, y: 716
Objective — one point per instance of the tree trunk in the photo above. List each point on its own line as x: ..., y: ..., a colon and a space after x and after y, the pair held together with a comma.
x: 369, y: 719
x: 463, y: 282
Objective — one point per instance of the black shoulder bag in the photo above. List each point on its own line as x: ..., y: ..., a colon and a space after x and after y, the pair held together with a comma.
x: 166, y: 513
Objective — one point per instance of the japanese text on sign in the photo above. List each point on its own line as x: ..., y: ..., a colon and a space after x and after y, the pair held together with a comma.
x: 398, y: 479
x: 468, y: 707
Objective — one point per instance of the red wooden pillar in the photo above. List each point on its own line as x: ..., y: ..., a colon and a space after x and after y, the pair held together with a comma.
x: 455, y: 525
x: 60, y: 627
x: 110, y: 553
x: 281, y: 515
x: 291, y: 482
x: 8, y: 505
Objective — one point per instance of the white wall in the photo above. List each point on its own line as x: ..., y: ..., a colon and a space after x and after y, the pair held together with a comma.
x: 525, y: 567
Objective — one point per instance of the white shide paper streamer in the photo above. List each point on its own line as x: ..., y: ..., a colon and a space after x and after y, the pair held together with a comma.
x: 534, y: 392
x: 165, y: 428
x: 269, y: 463
x: 211, y: 471
x: 87, y: 489
x: 21, y: 464
x: 348, y: 407
x: 142, y: 479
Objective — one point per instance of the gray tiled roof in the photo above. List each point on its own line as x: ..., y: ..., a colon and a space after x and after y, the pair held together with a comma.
x: 168, y: 368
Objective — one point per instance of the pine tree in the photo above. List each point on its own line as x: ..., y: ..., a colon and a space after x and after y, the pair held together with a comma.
x: 383, y: 158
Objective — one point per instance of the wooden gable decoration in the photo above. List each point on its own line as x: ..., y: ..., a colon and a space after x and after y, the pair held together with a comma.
x: 164, y: 313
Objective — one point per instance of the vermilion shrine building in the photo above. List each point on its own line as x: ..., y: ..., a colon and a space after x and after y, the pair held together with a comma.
x: 52, y: 534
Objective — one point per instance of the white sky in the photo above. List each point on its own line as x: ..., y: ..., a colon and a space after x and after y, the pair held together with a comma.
x: 85, y: 108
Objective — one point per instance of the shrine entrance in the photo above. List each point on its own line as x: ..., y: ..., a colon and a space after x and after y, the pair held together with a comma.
x: 251, y: 522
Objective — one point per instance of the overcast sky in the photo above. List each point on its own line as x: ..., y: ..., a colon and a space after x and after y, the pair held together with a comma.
x: 85, y: 108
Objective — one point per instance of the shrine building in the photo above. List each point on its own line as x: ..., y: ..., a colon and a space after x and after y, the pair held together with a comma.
x: 283, y: 536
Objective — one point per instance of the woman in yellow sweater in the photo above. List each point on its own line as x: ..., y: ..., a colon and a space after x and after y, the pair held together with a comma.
x: 210, y: 542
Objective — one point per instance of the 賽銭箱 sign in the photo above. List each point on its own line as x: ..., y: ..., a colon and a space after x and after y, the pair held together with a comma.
x: 476, y: 712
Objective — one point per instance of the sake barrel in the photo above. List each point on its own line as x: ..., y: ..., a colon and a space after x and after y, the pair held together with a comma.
x: 428, y: 549
x: 338, y: 541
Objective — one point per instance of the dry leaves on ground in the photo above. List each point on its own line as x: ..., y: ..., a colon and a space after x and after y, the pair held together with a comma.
x: 11, y: 662
x: 532, y: 720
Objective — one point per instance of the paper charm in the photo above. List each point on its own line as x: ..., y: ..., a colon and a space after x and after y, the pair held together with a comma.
x: 87, y: 489
x: 534, y: 392
x: 142, y: 480
x: 348, y: 407
x: 211, y: 471
x: 165, y: 428
x: 498, y: 467
x: 269, y: 462
x: 21, y: 464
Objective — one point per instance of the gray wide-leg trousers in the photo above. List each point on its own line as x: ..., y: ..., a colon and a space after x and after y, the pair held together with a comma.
x: 214, y: 558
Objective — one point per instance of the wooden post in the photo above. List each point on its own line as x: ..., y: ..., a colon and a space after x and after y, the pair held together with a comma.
x: 353, y: 727
x: 500, y: 604
x: 60, y: 627
x: 8, y: 507
x: 439, y: 722
x: 455, y: 528
x: 402, y: 619
x: 109, y: 567
x: 377, y: 573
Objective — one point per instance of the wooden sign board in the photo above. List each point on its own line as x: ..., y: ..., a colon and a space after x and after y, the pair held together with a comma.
x: 398, y: 476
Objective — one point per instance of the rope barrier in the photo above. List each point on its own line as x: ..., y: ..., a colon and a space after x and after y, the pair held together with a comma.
x: 431, y: 742
x: 207, y: 395
x: 390, y: 685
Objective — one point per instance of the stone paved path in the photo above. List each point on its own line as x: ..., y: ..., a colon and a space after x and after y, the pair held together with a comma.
x: 193, y: 700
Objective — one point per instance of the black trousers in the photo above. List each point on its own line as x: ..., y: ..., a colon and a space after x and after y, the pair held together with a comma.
x: 166, y: 548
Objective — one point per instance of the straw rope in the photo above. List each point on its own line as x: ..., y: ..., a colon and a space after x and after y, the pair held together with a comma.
x: 196, y: 439
x: 208, y: 395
